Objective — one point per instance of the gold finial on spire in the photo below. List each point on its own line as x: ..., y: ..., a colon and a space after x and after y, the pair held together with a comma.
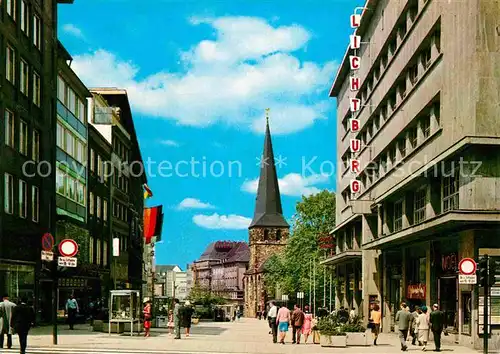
x: 267, y: 115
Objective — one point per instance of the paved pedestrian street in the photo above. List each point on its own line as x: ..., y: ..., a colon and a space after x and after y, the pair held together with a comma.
x: 246, y: 336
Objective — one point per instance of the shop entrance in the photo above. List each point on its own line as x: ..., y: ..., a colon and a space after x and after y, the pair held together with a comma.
x: 448, y: 300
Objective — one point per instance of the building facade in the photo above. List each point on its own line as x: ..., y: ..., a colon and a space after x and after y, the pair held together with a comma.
x: 267, y: 233
x: 171, y: 281
x: 27, y: 95
x: 112, y: 118
x: 221, y: 269
x: 418, y: 142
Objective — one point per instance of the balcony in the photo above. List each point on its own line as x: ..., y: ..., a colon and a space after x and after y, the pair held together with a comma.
x: 342, y: 257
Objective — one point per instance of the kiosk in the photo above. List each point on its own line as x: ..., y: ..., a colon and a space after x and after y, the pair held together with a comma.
x: 125, y: 308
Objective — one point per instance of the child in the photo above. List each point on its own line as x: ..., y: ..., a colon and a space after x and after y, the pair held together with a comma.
x: 170, y: 322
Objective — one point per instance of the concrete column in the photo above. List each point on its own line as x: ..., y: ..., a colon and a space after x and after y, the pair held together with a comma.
x: 403, y: 274
x: 428, y: 275
x: 370, y: 280
x: 380, y: 221
x: 337, y: 291
x: 384, y: 301
x: 385, y: 220
x: 408, y: 144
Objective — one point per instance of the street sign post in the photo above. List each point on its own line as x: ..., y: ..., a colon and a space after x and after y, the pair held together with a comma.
x: 47, y: 256
x: 68, y: 248
x: 467, y: 279
x: 70, y: 262
x: 467, y: 266
x: 47, y: 242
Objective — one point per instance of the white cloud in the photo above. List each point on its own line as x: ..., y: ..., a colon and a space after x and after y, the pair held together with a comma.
x: 249, y: 66
x: 216, y: 221
x: 73, y: 30
x: 293, y: 184
x: 169, y: 143
x: 193, y: 203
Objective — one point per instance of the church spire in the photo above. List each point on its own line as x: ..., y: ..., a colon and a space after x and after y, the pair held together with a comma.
x: 268, y: 211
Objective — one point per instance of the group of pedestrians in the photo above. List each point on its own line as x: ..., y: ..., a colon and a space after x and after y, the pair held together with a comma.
x: 281, y: 320
x: 15, y: 319
x: 181, y: 316
x: 418, y: 324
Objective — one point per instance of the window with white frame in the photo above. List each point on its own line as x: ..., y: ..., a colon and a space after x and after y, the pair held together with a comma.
x: 61, y: 182
x: 8, y: 193
x: 24, y: 77
x: 91, y: 203
x: 9, y: 128
x: 37, y: 31
x: 98, y: 261
x: 25, y: 17
x: 419, y: 205
x: 23, y: 199
x: 450, y: 190
x: 60, y: 135
x: 105, y: 209
x: 61, y: 89
x: 23, y: 137
x: 37, y: 89
x: 105, y: 253
x: 398, y: 215
x: 10, y: 64
x: 92, y: 162
x: 98, y: 206
x: 11, y: 8
x: 99, y: 165
x: 91, y: 249
x: 35, y: 204
x: 36, y: 146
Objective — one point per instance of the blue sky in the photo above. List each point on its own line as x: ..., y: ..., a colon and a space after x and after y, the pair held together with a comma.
x: 200, y: 75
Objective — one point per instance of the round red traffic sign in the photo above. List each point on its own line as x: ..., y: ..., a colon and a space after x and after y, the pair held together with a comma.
x: 467, y: 266
x: 68, y: 248
x: 47, y: 242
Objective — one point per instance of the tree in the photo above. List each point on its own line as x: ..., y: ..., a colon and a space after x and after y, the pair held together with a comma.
x: 291, y: 270
x: 200, y: 296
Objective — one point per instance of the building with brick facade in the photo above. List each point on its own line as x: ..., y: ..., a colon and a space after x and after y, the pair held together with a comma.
x: 418, y: 142
x: 268, y: 231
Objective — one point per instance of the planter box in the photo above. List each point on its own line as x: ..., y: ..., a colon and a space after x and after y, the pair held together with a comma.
x: 359, y: 339
x: 115, y: 327
x: 333, y: 341
x: 137, y: 327
x: 98, y: 326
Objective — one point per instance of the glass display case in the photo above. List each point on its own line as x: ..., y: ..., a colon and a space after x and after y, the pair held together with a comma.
x: 125, y: 307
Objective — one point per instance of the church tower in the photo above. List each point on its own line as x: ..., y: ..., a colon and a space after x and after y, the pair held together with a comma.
x: 268, y: 230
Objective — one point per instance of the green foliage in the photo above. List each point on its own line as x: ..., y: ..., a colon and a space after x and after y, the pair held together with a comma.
x: 333, y: 325
x: 314, y: 217
x: 203, y: 297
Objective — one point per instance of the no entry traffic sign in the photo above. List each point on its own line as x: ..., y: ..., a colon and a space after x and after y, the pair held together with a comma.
x: 68, y: 248
x: 467, y: 266
x: 47, y: 242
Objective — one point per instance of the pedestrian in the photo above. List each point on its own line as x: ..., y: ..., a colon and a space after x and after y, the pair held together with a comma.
x: 307, y: 326
x: 23, y: 318
x: 147, y: 312
x: 403, y: 320
x: 72, y: 310
x: 437, y: 325
x: 283, y: 321
x: 177, y: 319
x: 297, y: 323
x: 170, y: 323
x: 423, y: 327
x: 187, y: 314
x: 413, y: 325
x: 375, y: 318
x: 271, y: 316
x: 6, y: 308
x: 352, y: 313
x: 92, y: 311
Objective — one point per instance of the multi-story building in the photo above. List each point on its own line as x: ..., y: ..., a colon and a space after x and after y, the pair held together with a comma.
x: 27, y: 92
x: 71, y: 181
x: 112, y: 117
x: 99, y: 208
x: 428, y: 172
x: 221, y: 269
x: 171, y: 281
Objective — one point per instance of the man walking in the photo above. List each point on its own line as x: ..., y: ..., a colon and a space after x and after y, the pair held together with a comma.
x: 403, y: 320
x: 72, y: 309
x: 23, y: 318
x: 413, y: 325
x: 177, y: 319
x: 297, y: 322
x: 271, y: 317
x: 437, y: 325
x: 6, y: 308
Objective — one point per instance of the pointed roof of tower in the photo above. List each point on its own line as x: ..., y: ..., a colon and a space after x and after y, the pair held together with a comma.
x: 268, y: 211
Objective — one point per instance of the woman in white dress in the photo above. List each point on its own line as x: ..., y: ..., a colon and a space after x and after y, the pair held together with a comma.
x: 423, y: 327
